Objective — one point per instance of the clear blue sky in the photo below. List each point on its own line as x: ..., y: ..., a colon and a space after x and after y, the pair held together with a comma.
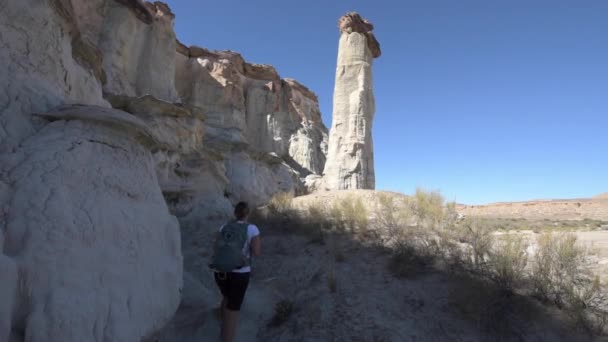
x: 483, y: 100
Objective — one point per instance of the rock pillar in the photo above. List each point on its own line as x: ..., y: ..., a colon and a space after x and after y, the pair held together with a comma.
x: 350, y: 159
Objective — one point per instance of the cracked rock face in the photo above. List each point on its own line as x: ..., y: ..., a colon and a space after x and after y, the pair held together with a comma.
x: 37, y: 68
x: 97, y: 251
x: 350, y: 159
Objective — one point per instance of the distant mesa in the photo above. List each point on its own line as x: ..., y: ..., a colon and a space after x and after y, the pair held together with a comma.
x: 602, y: 196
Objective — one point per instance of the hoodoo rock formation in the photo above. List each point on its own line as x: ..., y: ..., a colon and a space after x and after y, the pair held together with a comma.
x: 115, y: 139
x: 350, y: 159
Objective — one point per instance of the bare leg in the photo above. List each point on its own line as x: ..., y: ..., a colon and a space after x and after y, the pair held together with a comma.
x: 229, y: 324
x: 222, y: 317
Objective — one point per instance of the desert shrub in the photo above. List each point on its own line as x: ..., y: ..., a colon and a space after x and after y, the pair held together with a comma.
x: 391, y: 218
x: 501, y: 314
x: 557, y: 266
x: 508, y: 260
x: 314, y: 222
x: 588, y: 306
x: 316, y: 213
x: 450, y: 251
x: 349, y: 213
x: 336, y: 216
x: 282, y: 312
x: 360, y: 215
x: 419, y: 232
x: 280, y: 204
x: 428, y: 208
x: 450, y: 216
x: 560, y: 275
x: 407, y: 261
x: 480, y: 239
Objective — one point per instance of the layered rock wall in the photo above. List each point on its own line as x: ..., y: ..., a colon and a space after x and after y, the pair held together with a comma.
x: 88, y: 248
x: 91, y: 197
x: 350, y: 159
x: 263, y: 134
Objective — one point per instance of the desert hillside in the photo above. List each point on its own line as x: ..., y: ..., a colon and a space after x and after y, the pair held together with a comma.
x: 595, y: 208
x: 602, y: 196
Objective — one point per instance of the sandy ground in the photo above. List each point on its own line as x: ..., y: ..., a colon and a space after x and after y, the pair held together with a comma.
x: 598, y: 241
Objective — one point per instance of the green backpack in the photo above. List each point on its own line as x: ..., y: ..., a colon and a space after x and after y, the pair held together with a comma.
x: 228, y: 249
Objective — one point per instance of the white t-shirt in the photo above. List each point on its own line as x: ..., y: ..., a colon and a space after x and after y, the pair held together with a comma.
x: 252, y: 231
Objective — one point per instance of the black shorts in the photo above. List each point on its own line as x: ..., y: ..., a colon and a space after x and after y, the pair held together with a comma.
x: 233, y: 286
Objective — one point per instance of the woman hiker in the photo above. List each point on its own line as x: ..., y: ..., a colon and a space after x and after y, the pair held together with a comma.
x: 235, y: 244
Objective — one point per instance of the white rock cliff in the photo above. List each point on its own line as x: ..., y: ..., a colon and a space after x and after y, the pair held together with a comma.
x: 114, y: 138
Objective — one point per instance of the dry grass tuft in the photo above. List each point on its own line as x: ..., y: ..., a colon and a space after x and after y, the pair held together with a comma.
x: 280, y: 204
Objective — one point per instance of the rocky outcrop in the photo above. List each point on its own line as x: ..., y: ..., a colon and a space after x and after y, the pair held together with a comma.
x: 37, y: 68
x: 350, y: 159
x: 97, y: 253
x: 112, y: 136
x: 249, y: 104
x: 88, y: 248
x: 138, y: 56
x: 256, y: 124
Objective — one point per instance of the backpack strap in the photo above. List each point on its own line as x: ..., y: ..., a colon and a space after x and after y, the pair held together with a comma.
x: 245, y: 232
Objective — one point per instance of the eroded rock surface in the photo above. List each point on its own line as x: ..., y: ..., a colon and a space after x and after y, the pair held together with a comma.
x: 249, y: 104
x: 138, y: 56
x: 350, y: 159
x: 109, y: 130
x: 37, y: 68
x: 98, y: 253
x: 265, y: 133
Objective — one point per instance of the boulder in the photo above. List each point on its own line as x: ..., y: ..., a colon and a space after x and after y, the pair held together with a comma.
x: 97, y: 252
